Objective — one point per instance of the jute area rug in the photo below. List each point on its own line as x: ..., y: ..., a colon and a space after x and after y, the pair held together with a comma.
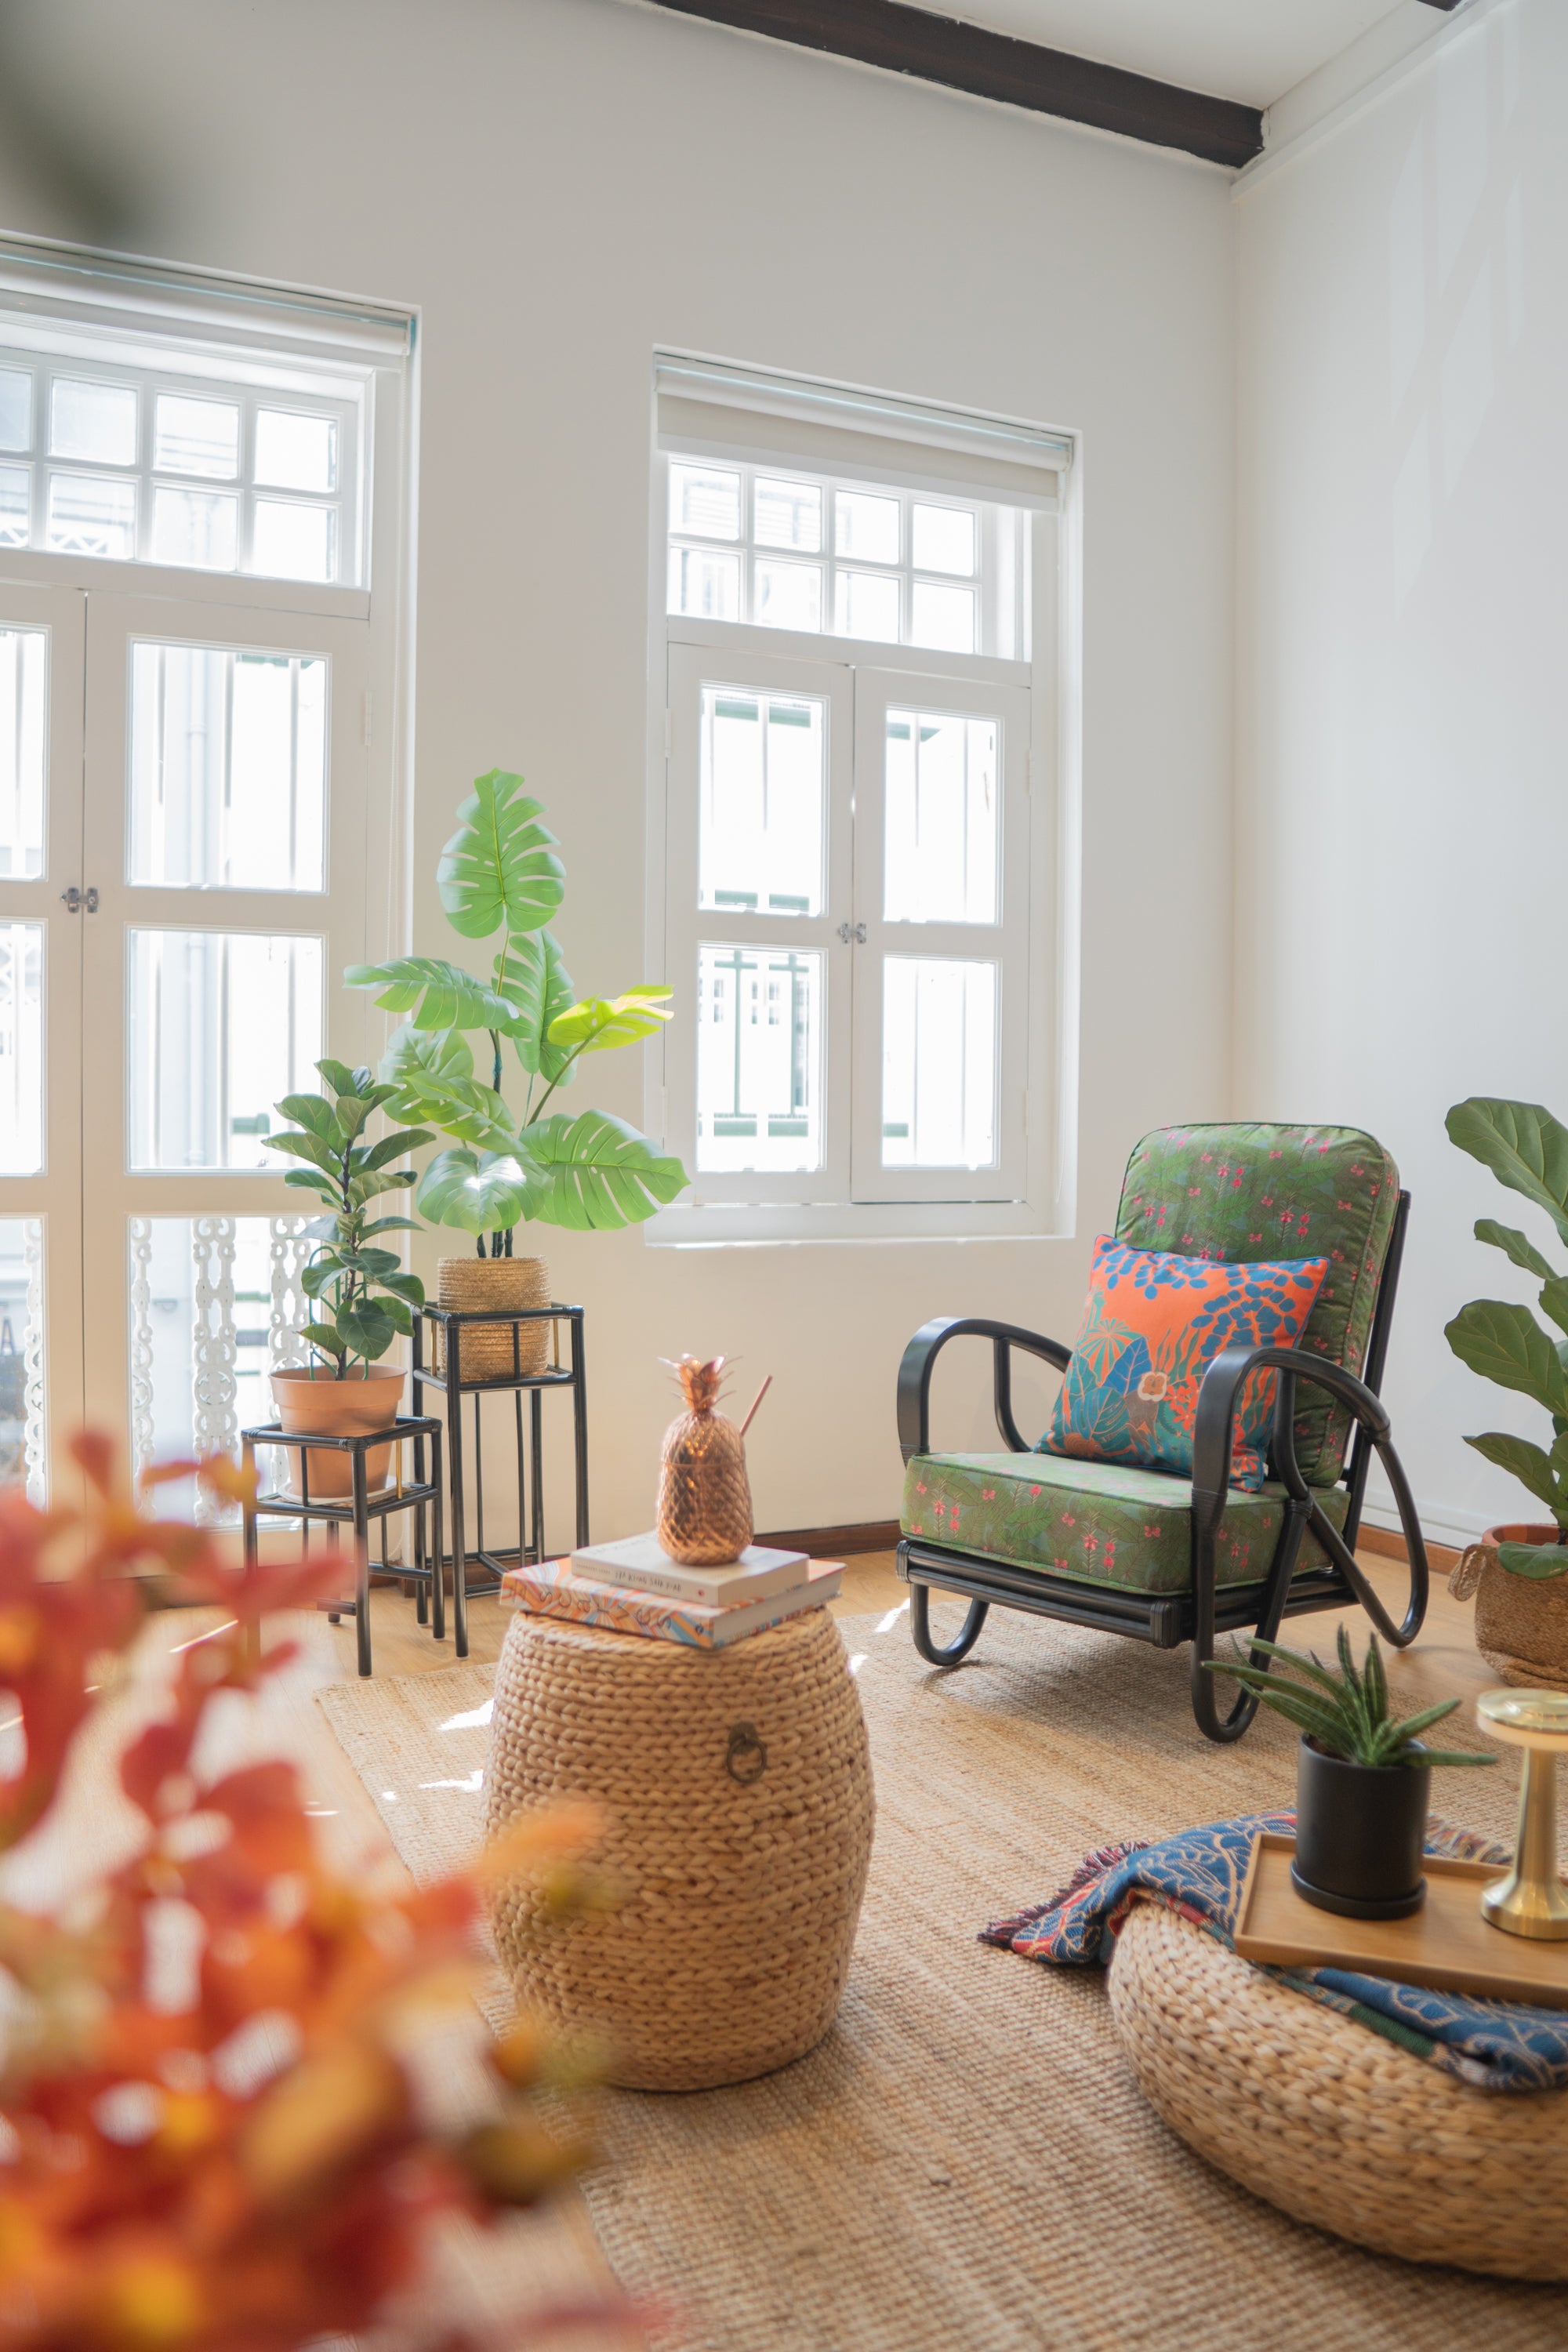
x: 966, y: 2163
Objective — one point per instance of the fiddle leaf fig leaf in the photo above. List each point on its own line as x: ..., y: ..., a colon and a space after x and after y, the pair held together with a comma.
x: 1523, y: 1461
x: 1554, y: 1301
x: 1506, y: 1344
x: 600, y: 1022
x: 500, y: 866
x: 435, y: 993
x: 1521, y: 1143
x: 1509, y: 1240
x: 1541, y: 1563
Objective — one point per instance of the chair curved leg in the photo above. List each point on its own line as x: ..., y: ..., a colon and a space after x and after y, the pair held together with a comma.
x: 962, y: 1642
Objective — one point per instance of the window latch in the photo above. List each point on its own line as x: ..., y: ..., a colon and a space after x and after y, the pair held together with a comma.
x: 856, y: 931
x: 74, y: 900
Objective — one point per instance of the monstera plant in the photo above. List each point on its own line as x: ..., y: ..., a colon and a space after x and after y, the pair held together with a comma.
x: 1527, y: 1149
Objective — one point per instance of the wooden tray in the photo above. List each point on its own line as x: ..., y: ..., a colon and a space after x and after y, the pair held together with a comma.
x: 1446, y: 1944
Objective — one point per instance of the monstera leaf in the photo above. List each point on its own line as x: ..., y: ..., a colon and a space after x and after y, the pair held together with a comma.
x: 435, y: 993
x: 500, y: 866
x: 600, y: 1022
x: 596, y: 1173
x: 433, y: 1078
x: 1521, y: 1143
x: 532, y: 977
x: 477, y: 1192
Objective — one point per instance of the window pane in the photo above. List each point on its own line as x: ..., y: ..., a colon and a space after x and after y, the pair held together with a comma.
x: 759, y: 1055
x: 22, y: 1461
x: 939, y: 1063
x: 219, y: 1024
x: 295, y: 452
x: 789, y: 514
x: 227, y: 769
x: 705, y: 584
x: 943, y: 617
x: 939, y: 825
x: 705, y: 502
x: 21, y: 1048
x: 93, y: 420
x: 15, y: 494
x: 199, y: 528
x: 789, y: 595
x: 764, y: 775
x: 16, y: 409
x: 867, y: 527
x: 868, y: 606
x: 292, y: 543
x: 943, y: 540
x: 196, y: 437
x: 90, y: 515
x: 24, y: 705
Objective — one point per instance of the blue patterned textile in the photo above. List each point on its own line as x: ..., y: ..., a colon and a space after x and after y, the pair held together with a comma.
x: 1500, y: 2045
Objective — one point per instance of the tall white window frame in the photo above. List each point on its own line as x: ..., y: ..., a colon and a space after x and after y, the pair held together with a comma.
x: 846, y: 956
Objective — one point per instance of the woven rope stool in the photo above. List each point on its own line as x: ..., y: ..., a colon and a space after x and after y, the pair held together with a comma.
x: 1332, y: 2123
x: 736, y: 1786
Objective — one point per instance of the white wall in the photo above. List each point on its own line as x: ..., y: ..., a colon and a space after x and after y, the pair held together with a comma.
x: 561, y: 185
x: 1403, y: 736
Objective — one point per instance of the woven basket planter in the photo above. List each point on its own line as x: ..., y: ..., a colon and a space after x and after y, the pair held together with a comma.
x: 483, y: 1285
x: 736, y: 1787
x: 1522, y: 1624
x: 1332, y: 2123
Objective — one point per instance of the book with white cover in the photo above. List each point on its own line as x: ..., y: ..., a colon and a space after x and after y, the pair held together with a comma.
x: 642, y: 1565
x: 556, y: 1589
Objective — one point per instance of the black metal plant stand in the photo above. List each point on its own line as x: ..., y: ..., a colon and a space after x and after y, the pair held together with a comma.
x: 357, y: 1510
x: 452, y: 1323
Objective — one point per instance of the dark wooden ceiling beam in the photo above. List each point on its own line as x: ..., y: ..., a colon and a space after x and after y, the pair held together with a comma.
x: 966, y: 57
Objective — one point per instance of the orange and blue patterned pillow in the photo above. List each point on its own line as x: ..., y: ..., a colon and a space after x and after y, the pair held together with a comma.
x: 1153, y: 1324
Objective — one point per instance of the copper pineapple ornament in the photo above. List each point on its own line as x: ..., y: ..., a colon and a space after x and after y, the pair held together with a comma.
x: 704, y: 1497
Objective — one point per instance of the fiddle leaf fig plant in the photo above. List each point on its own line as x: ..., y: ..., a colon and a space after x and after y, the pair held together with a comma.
x: 499, y: 873
x: 1527, y: 1149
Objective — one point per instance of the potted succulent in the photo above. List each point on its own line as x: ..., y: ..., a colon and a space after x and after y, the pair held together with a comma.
x: 1362, y: 1781
x: 1519, y: 1573
x: 499, y: 874
x: 363, y: 1299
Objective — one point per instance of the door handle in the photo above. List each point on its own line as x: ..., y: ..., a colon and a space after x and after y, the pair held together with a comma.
x: 74, y: 900
x: 856, y: 931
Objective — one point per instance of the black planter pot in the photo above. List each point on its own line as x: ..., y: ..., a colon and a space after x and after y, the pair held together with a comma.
x: 1359, y: 1833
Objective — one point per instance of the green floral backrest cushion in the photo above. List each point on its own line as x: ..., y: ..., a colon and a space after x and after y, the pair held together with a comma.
x: 1246, y: 1190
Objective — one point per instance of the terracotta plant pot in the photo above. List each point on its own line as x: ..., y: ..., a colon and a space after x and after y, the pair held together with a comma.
x: 1521, y: 1623
x: 1361, y: 1830
x: 481, y: 1285
x: 310, y: 1403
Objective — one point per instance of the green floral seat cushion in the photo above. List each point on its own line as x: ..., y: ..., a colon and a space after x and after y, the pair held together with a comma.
x: 1100, y: 1522
x: 1246, y: 1190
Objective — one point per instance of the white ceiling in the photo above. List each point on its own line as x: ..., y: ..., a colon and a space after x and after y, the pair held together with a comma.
x: 1251, y: 49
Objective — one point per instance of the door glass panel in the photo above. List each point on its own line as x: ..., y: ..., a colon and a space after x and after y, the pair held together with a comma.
x: 295, y: 452
x: 759, y: 1058
x: 91, y: 514
x: 228, y: 765
x: 763, y: 775
x: 939, y: 1063
x: 24, y: 738
x: 196, y: 437
x: 22, y: 1451
x: 21, y: 1048
x: 92, y: 421
x: 941, y: 833
x: 199, y: 529
x: 16, y: 497
x: 218, y: 1025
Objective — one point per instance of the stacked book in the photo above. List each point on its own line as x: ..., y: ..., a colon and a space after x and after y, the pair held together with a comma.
x: 634, y: 1587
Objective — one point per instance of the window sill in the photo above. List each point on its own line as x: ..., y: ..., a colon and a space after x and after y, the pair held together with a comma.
x: 760, y: 1224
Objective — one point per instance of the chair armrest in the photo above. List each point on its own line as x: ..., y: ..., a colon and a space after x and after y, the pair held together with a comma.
x: 920, y: 1359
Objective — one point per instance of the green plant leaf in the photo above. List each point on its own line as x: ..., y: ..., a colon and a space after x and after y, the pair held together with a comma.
x: 1541, y: 1563
x: 436, y: 994
x: 405, y: 1285
x: 324, y: 1337
x: 596, y: 1173
x: 362, y: 1189
x: 462, y: 1108
x: 341, y: 1079
x: 500, y: 866
x: 393, y: 1147
x: 309, y: 1181
x: 1414, y: 1725
x: 412, y: 1053
x: 1506, y: 1344
x: 1512, y: 1244
x: 531, y: 975
x: 367, y: 1327
x: 1521, y: 1143
x: 1301, y: 1661
x: 300, y: 1143
x: 480, y: 1193
x: 600, y: 1022
x: 1523, y: 1461
x: 314, y: 1113
x: 1442, y: 1756
x: 390, y: 1225
x: 1554, y: 1302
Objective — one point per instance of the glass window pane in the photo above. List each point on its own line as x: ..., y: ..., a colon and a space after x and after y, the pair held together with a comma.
x: 867, y: 527
x: 789, y: 595
x: 21, y: 1048
x: 16, y: 409
x: 199, y: 528
x: 91, y: 515
x: 940, y: 826
x: 292, y: 543
x: 219, y: 1024
x: 197, y: 436
x: 228, y: 754
x: 939, y: 1063
x: 92, y: 421
x: 759, y: 1058
x: 789, y: 514
x: 705, y: 501
x: 294, y: 452
x: 868, y: 606
x: 24, y: 736
x: 22, y: 1461
x: 764, y: 780
x: 15, y: 490
x: 943, y: 617
x: 704, y: 583
x: 943, y: 540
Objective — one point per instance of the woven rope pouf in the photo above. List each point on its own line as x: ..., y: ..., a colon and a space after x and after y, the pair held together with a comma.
x: 1333, y: 2122
x: 736, y: 1787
